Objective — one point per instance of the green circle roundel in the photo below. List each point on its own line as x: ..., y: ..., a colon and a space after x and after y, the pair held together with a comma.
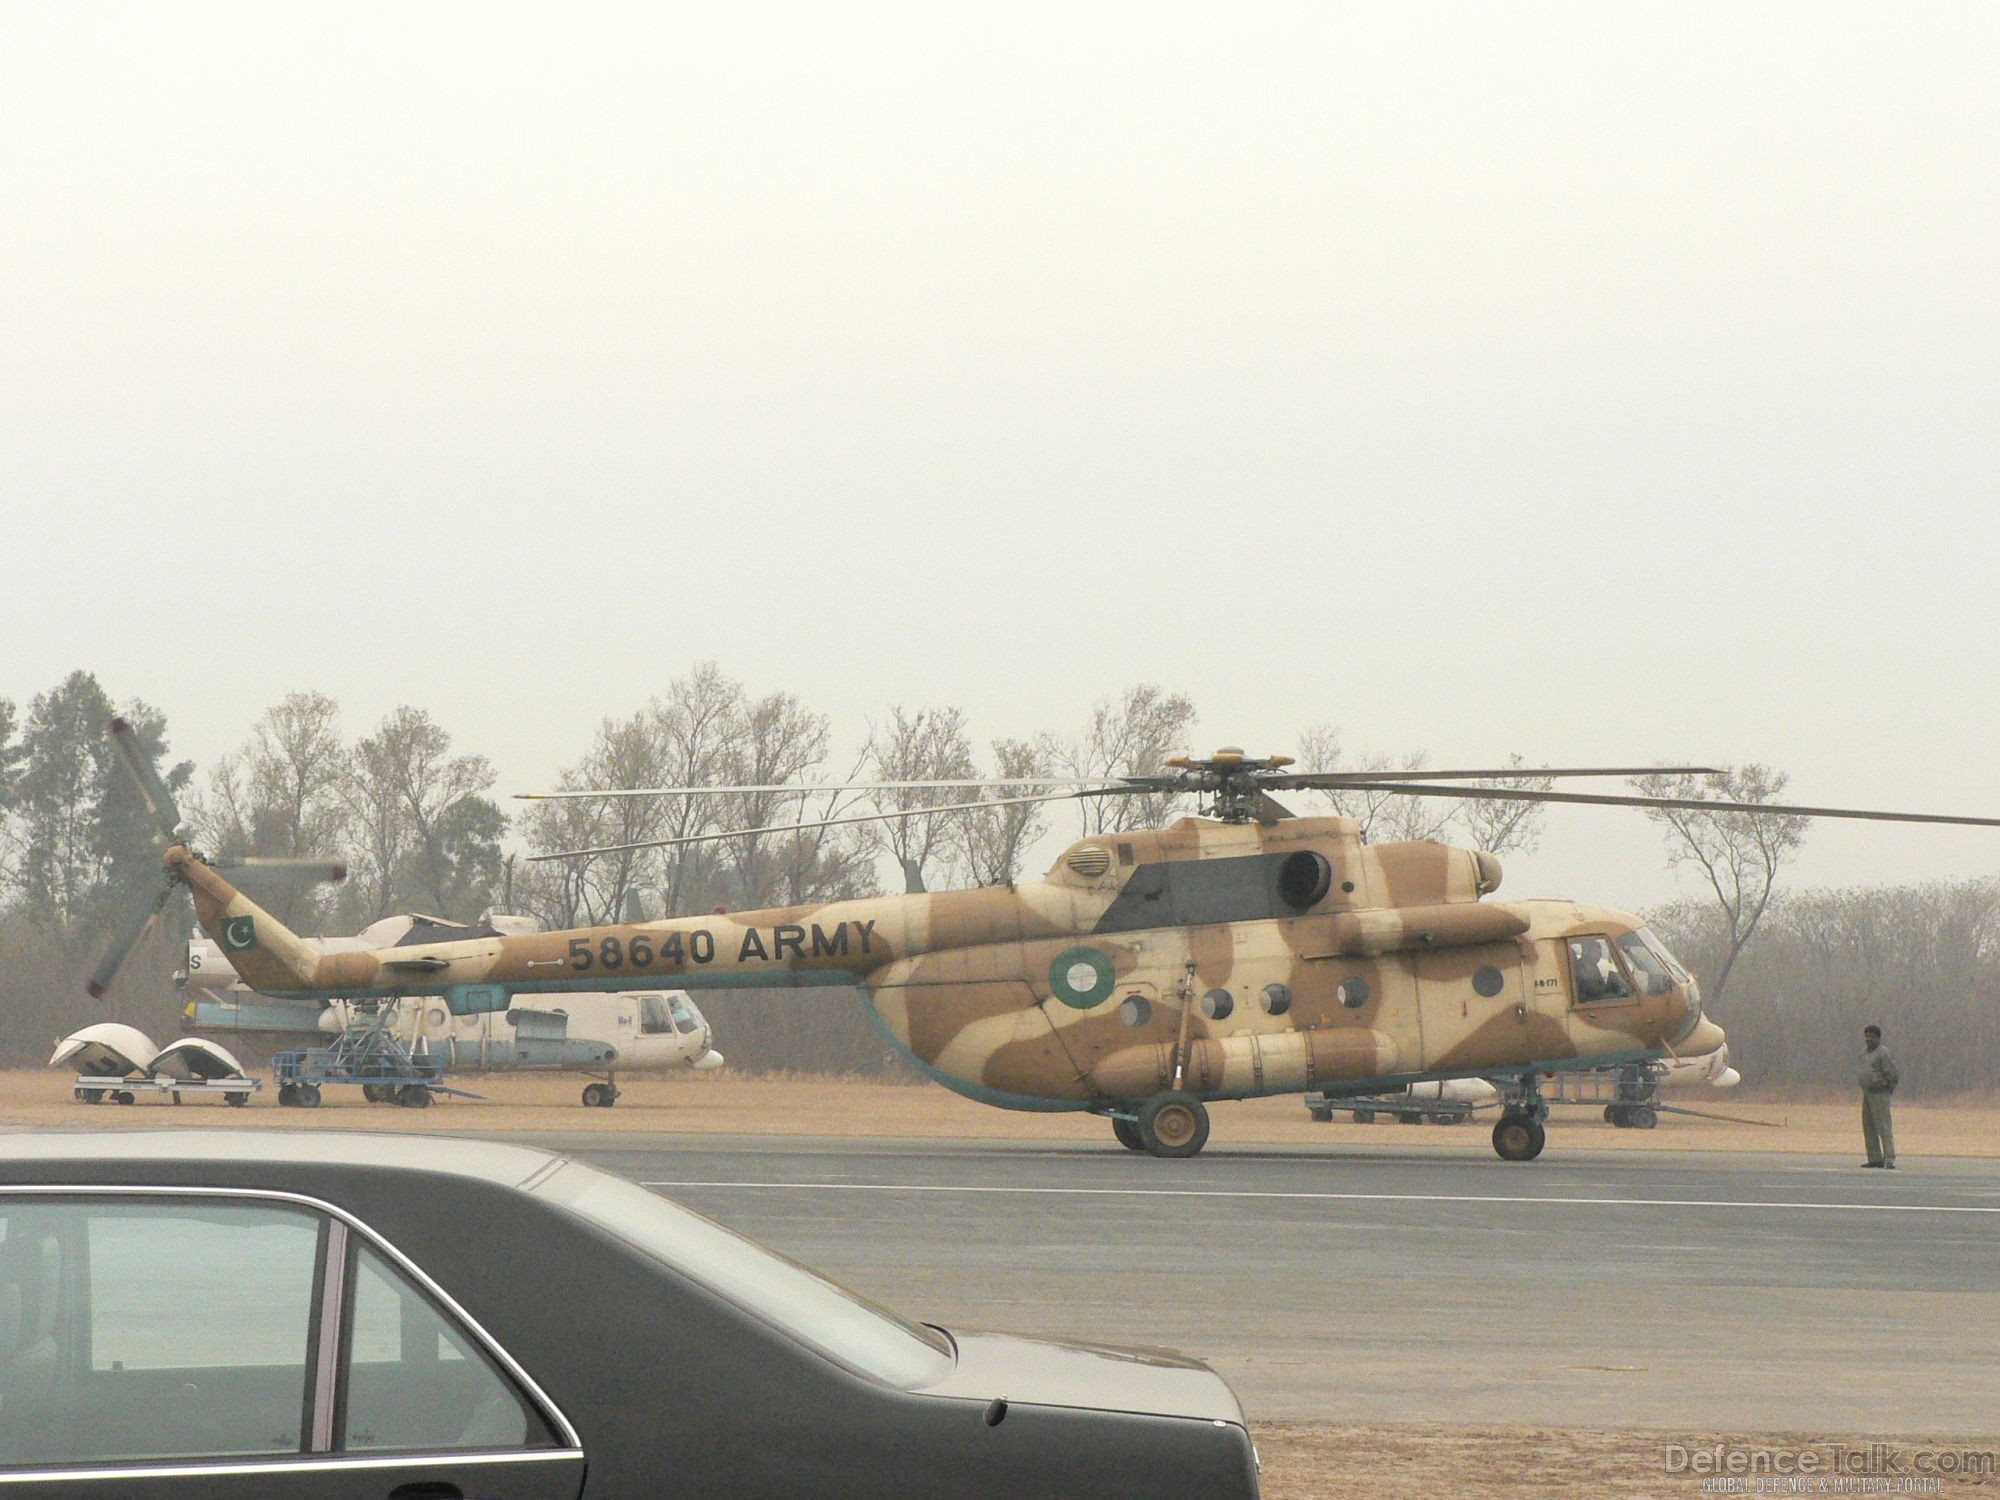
x: 1082, y: 977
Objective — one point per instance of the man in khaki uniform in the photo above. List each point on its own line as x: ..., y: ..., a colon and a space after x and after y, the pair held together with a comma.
x: 1878, y: 1081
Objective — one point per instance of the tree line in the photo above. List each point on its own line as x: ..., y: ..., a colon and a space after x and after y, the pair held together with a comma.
x: 418, y: 824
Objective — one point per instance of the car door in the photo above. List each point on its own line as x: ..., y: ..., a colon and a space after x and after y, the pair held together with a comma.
x: 216, y: 1344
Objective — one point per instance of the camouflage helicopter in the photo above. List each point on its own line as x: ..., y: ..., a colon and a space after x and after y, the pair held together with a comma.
x: 1240, y: 953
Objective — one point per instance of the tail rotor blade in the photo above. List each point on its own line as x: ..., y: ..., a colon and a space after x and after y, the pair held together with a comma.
x: 124, y: 936
x: 159, y: 801
x: 277, y: 871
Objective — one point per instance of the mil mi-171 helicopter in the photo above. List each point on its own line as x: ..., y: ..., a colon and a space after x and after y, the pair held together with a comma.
x: 1241, y: 953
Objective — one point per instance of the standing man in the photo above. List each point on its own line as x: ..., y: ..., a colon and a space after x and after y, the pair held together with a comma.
x: 1878, y: 1081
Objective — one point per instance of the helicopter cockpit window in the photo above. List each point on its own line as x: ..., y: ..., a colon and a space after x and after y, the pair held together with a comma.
x: 684, y: 1019
x: 1598, y: 977
x: 653, y: 1015
x: 1648, y: 967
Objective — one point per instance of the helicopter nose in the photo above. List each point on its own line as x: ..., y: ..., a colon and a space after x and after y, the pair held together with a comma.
x: 1706, y: 1038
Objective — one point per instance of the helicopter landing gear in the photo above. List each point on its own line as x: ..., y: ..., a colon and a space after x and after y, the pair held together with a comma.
x: 1519, y: 1137
x: 1127, y: 1133
x: 600, y: 1095
x: 1172, y: 1124
x: 1520, y: 1134
x: 1632, y: 1116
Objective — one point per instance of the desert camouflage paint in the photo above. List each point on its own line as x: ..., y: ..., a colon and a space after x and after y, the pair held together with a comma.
x: 1248, y: 958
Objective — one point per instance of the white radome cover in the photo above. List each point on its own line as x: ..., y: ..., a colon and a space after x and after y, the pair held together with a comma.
x: 110, y: 1049
x: 196, y: 1057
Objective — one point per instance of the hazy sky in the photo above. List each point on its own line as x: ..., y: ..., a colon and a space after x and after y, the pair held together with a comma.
x: 1598, y: 382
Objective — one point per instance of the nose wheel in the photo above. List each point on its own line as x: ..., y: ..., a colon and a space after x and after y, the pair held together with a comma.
x: 1519, y: 1135
x: 1172, y: 1124
x: 600, y: 1095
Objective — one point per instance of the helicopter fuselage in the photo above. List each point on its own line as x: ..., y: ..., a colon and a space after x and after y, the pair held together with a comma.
x: 1222, y: 959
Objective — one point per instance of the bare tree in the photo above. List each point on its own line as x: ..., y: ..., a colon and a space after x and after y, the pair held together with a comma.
x: 930, y: 744
x: 1130, y: 735
x: 990, y: 841
x: 1385, y: 817
x: 281, y: 795
x: 1739, y: 855
x: 1502, y: 825
x: 419, y: 818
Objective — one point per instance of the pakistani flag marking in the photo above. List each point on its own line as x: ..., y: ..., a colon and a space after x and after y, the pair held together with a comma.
x: 239, y: 933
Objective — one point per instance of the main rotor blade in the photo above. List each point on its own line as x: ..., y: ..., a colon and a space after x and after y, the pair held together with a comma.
x: 284, y: 871
x: 879, y: 817
x: 159, y: 801
x: 124, y: 936
x: 817, y: 788
x: 1701, y: 804
x: 1307, y: 780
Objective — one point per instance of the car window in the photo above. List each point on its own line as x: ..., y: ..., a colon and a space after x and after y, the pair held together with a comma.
x: 416, y: 1382
x: 818, y: 1312
x: 153, y: 1329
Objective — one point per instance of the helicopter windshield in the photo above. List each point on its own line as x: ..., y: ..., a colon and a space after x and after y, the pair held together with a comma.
x: 684, y: 1016
x: 1648, y: 962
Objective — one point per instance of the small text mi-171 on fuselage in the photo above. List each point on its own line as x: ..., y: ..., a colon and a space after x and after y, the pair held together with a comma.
x: 1243, y: 953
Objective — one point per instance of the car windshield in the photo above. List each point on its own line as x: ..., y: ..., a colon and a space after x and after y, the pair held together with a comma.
x: 830, y: 1318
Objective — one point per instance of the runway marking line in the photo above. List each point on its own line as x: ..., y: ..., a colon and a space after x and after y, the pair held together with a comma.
x: 1125, y: 1192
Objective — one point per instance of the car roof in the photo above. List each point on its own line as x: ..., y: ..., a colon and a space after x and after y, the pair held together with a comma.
x: 491, y: 1161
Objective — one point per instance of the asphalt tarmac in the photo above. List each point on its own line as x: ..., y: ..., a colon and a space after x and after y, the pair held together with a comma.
x: 1731, y: 1293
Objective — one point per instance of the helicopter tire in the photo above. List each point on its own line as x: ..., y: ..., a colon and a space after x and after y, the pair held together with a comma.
x: 1173, y: 1124
x: 593, y: 1096
x: 1127, y: 1133
x: 1519, y: 1137
x: 1642, y: 1117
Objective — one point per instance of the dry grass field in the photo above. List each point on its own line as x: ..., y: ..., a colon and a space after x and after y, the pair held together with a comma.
x: 815, y: 1105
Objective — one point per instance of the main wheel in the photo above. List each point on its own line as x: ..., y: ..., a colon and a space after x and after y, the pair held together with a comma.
x: 1127, y: 1133
x: 414, y: 1096
x: 593, y: 1096
x: 308, y: 1096
x: 1519, y: 1137
x: 1172, y: 1124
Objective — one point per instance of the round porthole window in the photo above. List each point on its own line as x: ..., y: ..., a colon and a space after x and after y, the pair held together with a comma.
x: 1353, y: 993
x: 1137, y: 1010
x: 1276, y: 999
x: 1487, y: 980
x: 1217, y: 1004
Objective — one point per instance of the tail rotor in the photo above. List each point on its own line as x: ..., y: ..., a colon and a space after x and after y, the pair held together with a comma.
x: 166, y: 816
